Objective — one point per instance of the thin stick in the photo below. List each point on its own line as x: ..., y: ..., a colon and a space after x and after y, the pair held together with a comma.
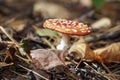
x: 0, y: 38
x: 78, y: 64
x: 27, y: 61
x: 106, y: 67
x: 34, y: 72
x: 49, y: 44
x: 7, y: 34
x: 19, y: 74
x: 3, y: 64
x: 91, y: 68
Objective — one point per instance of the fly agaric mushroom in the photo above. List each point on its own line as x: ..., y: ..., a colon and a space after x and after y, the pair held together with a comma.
x: 66, y: 27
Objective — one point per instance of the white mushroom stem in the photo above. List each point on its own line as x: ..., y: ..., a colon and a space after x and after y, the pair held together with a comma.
x: 65, y: 42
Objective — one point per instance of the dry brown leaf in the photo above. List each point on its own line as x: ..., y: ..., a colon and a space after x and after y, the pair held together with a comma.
x: 46, y: 59
x: 83, y: 50
x: 110, y: 53
x: 107, y: 54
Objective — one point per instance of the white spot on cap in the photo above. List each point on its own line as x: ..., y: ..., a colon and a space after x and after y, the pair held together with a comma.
x: 83, y: 31
x: 67, y: 30
x: 63, y: 26
x: 74, y: 30
x: 54, y: 23
x: 88, y: 31
x: 57, y: 26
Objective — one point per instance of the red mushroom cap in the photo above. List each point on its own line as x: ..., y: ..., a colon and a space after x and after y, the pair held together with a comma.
x: 67, y: 27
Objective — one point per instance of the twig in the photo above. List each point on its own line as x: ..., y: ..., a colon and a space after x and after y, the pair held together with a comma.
x: 7, y: 34
x: 91, y: 68
x: 0, y: 38
x: 49, y: 44
x: 27, y: 61
x: 34, y: 72
x: 78, y: 64
x: 3, y: 64
x: 19, y: 74
x: 112, y: 74
x: 13, y: 40
x: 88, y: 14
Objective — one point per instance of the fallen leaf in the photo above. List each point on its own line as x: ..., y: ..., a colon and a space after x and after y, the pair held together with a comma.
x: 46, y: 59
x: 83, y: 50
x: 107, y: 54
x: 47, y: 32
x: 110, y: 53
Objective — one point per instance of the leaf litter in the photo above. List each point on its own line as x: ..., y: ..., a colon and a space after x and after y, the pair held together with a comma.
x: 46, y: 59
x: 96, y: 58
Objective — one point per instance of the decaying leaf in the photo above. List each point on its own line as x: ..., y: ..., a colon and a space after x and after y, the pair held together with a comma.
x: 46, y: 59
x: 83, y: 50
x: 110, y: 53
x: 107, y: 54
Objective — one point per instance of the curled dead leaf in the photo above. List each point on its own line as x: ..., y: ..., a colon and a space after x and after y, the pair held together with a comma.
x: 83, y: 50
x: 107, y: 54
x: 110, y: 53
x: 46, y: 59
